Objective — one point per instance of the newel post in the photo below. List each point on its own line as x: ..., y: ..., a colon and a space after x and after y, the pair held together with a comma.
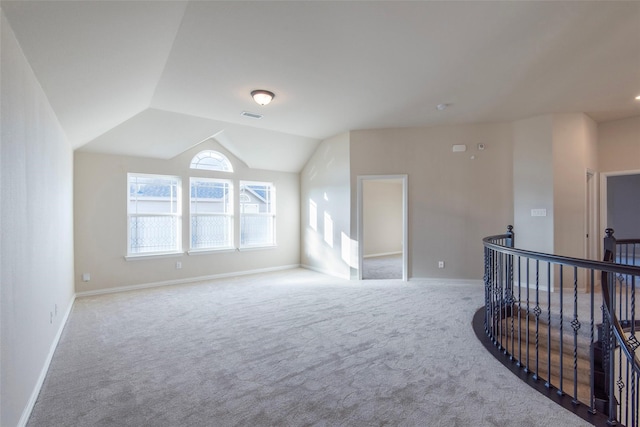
x: 510, y: 240
x: 609, y: 245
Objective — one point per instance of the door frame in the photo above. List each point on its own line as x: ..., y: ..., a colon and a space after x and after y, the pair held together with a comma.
x: 405, y: 224
x: 591, y: 217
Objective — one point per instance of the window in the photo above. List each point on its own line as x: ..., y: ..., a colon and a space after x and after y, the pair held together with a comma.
x: 211, y: 209
x: 154, y: 214
x: 257, y: 214
x: 211, y: 160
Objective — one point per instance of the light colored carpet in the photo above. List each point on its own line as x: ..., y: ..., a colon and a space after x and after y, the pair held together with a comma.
x: 292, y: 348
x: 382, y: 267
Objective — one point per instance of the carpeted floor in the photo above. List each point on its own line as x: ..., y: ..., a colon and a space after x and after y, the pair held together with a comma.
x: 382, y: 267
x: 291, y: 348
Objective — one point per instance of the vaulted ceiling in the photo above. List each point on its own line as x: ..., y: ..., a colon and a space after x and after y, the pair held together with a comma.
x: 154, y: 78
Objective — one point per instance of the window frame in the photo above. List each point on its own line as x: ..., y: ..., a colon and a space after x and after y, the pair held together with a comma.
x: 272, y: 213
x: 197, y: 164
x: 230, y: 215
x: 176, y: 214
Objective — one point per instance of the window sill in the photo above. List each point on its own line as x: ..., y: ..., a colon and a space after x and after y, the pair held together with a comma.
x: 210, y: 251
x: 136, y: 257
x: 257, y: 248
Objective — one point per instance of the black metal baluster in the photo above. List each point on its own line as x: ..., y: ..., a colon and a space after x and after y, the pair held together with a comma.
x: 592, y: 386
x: 519, y: 361
x: 560, y: 382
x: 633, y: 341
x: 526, y: 333
x: 536, y: 312
x: 611, y: 352
x: 575, y: 323
x: 549, y: 268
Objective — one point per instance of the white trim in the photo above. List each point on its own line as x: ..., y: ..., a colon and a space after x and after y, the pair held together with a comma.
x: 592, y: 225
x: 183, y: 281
x: 327, y: 272
x: 478, y: 282
x: 405, y: 220
x: 255, y: 248
x: 135, y: 257
x: 26, y: 414
x: 209, y: 251
x: 382, y: 254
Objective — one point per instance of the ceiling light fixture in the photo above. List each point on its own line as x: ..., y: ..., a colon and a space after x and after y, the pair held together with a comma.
x: 638, y: 98
x: 262, y: 97
x: 441, y: 107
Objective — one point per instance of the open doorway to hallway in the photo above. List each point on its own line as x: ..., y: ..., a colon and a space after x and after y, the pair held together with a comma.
x: 620, y: 206
x: 623, y: 205
x: 382, y: 227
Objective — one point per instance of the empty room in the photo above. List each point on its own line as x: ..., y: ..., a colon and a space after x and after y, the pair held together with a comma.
x: 272, y: 213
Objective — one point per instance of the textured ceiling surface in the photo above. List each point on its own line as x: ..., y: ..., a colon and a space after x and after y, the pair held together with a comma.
x: 154, y: 78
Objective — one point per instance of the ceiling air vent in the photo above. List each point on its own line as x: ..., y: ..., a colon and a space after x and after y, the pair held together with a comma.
x: 252, y: 115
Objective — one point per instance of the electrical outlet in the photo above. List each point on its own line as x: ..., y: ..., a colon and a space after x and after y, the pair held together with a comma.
x: 86, y: 277
x: 178, y: 265
x: 440, y: 264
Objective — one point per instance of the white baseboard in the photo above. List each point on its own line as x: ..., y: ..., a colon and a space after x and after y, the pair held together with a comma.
x: 45, y: 368
x: 327, y: 272
x: 478, y: 282
x: 183, y: 281
x: 382, y: 254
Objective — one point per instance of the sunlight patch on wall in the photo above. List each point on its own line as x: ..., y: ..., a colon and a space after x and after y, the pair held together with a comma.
x: 328, y: 229
x: 349, y: 251
x: 313, y: 215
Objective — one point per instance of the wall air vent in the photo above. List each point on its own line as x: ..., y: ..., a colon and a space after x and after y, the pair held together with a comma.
x: 251, y: 115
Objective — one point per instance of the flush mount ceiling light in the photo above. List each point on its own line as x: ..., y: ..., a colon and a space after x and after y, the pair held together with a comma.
x: 638, y: 98
x: 442, y: 107
x: 262, y: 97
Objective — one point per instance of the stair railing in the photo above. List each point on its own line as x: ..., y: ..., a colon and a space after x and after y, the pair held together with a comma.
x: 619, y: 307
x: 542, y: 313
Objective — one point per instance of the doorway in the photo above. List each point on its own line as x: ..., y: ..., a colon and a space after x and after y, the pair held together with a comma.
x: 382, y: 227
x: 620, y: 203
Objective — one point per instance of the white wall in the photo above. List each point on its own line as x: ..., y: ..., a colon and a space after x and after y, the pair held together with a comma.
x: 100, y: 186
x: 325, y: 188
x: 36, y: 256
x: 454, y: 201
x: 382, y: 217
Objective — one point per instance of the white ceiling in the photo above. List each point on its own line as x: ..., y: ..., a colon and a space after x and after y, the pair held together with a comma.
x: 154, y: 78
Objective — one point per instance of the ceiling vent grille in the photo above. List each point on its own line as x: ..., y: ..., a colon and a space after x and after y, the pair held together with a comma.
x: 251, y: 115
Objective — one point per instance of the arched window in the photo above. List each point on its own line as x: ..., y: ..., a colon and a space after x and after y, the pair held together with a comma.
x: 211, y: 160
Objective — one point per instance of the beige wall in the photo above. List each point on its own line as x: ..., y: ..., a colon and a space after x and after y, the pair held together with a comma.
x: 325, y: 187
x: 36, y: 211
x: 619, y: 145
x: 533, y: 183
x: 454, y: 201
x: 382, y: 217
x: 100, y: 185
x: 574, y: 148
x: 552, y: 154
